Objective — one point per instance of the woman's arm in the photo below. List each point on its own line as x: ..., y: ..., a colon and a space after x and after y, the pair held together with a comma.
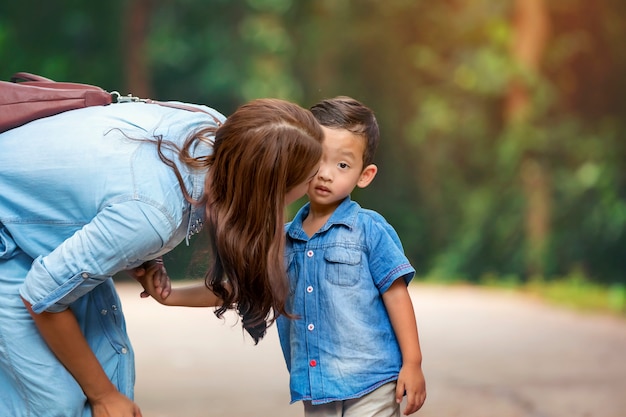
x: 65, y: 339
x: 411, y: 379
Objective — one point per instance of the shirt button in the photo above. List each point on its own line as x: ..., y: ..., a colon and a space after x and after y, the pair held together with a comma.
x: 103, y: 312
x: 311, y: 327
x: 313, y: 363
x: 84, y: 275
x: 124, y: 351
x: 309, y: 289
x: 309, y: 254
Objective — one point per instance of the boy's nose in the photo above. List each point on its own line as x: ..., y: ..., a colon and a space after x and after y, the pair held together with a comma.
x: 323, y: 174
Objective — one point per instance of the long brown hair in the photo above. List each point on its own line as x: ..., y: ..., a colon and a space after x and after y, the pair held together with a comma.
x: 263, y: 150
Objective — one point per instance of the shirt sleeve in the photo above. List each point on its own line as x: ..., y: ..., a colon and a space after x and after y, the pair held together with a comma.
x: 121, y: 236
x: 387, y: 261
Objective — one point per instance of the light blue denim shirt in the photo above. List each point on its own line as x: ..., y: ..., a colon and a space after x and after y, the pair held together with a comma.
x: 342, y: 346
x: 79, y: 202
x: 86, y: 202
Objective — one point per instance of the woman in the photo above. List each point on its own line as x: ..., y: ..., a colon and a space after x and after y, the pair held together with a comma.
x: 91, y: 192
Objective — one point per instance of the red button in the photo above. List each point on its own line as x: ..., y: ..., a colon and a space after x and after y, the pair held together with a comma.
x: 313, y: 363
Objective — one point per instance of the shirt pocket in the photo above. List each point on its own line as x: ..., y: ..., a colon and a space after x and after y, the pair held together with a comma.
x: 108, y: 310
x: 343, y: 266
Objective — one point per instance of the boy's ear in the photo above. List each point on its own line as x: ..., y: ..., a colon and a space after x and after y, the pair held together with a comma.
x: 367, y: 176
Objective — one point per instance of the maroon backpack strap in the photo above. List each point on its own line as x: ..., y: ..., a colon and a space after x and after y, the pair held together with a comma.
x: 36, y: 97
x: 27, y: 76
x: 29, y: 96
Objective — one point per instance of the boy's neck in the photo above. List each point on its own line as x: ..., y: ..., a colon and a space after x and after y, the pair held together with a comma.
x: 317, y: 217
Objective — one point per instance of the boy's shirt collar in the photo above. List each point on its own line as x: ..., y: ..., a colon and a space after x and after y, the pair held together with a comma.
x: 345, y: 215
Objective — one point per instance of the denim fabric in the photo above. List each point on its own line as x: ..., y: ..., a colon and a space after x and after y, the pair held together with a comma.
x: 342, y: 344
x: 81, y: 200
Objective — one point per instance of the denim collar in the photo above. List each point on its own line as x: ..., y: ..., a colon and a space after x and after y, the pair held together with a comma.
x: 344, y: 215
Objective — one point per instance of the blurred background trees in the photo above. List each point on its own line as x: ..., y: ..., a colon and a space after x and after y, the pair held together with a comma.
x: 502, y: 122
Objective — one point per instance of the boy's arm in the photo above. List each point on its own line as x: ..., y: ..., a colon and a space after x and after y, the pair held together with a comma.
x: 411, y: 379
x: 195, y: 295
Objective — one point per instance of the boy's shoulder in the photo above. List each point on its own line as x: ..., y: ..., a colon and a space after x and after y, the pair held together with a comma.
x: 370, y: 216
x: 373, y: 223
x: 352, y: 214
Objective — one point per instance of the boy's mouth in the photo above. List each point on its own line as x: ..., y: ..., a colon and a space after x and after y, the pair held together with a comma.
x: 322, y: 189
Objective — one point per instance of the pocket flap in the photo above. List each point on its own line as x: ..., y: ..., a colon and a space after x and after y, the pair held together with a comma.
x: 343, y: 256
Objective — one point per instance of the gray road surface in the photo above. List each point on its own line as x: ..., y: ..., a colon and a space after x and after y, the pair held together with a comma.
x: 486, y: 354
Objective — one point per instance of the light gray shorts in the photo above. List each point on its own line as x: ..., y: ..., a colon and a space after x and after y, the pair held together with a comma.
x: 378, y: 403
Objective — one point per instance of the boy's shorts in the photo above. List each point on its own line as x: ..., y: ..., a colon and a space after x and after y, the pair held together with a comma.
x: 378, y: 403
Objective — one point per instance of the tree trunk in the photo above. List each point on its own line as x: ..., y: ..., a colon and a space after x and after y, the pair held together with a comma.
x: 531, y: 27
x: 136, y: 69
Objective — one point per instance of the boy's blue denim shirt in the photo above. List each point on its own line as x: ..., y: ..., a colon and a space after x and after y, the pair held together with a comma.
x: 80, y: 201
x: 342, y: 344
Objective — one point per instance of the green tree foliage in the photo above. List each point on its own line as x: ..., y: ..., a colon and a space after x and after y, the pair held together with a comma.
x: 65, y: 40
x: 435, y: 72
x: 223, y: 53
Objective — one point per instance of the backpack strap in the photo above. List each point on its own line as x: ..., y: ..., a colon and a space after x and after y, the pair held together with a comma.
x: 27, y: 76
x: 29, y: 96
x: 118, y: 98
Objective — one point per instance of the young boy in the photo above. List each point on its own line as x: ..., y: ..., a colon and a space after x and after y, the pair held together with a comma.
x: 353, y: 347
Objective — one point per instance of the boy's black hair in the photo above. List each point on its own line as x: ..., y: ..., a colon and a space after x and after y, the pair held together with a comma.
x: 344, y: 112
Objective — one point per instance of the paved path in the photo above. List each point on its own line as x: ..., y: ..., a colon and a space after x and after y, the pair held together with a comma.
x: 486, y: 354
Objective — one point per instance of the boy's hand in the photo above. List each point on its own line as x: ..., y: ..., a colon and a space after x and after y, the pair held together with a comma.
x: 161, y: 285
x: 411, y: 380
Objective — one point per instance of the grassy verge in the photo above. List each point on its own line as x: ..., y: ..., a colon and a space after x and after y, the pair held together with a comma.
x: 574, y: 291
x: 581, y: 294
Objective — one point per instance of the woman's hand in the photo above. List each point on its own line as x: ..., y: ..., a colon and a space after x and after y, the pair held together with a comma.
x: 114, y: 404
x: 65, y: 339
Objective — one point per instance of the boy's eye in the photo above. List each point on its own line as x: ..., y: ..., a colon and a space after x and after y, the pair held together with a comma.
x: 342, y: 165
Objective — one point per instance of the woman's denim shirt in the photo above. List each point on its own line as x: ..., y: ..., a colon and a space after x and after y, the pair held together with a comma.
x: 342, y: 344
x: 86, y: 201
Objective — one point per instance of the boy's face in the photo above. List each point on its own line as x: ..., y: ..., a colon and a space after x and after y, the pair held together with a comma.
x: 300, y: 189
x: 340, y: 169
